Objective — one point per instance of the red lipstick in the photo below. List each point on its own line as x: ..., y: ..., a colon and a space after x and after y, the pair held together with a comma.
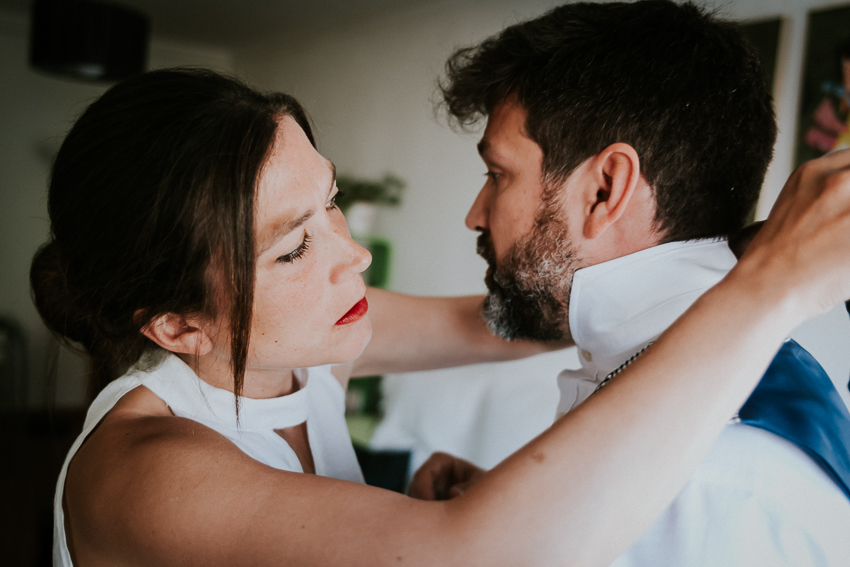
x: 355, y: 313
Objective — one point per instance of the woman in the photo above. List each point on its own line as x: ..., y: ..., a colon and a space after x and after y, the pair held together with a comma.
x: 195, y: 237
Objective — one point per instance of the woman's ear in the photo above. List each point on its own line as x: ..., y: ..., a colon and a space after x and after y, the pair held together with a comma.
x: 180, y: 334
x: 616, y: 174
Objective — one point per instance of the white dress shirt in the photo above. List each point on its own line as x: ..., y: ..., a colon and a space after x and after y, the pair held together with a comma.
x: 756, y: 499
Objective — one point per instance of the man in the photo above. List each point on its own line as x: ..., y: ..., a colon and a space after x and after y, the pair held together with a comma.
x: 624, y: 144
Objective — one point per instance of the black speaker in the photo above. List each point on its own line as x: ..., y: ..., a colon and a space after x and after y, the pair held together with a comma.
x: 88, y: 40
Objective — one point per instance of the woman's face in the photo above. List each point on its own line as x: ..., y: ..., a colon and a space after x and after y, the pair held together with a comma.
x: 309, y: 306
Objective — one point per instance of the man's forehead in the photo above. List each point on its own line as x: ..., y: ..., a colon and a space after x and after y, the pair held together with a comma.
x: 505, y: 127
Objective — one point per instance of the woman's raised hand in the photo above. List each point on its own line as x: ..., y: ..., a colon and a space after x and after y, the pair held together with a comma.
x: 802, y: 252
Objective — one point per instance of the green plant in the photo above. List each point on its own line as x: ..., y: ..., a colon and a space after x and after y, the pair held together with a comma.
x: 387, y: 191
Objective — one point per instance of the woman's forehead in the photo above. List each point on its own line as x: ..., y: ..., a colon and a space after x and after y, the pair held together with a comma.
x: 295, y: 179
x: 294, y: 165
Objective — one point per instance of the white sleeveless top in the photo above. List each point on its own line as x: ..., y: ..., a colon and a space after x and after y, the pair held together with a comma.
x: 320, y: 402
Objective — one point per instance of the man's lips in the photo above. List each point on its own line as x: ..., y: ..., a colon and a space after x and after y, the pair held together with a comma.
x: 355, y: 313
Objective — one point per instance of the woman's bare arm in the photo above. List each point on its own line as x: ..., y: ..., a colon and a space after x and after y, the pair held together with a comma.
x: 162, y: 490
x: 423, y: 333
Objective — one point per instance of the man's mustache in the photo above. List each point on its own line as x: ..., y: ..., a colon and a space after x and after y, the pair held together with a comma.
x: 493, y: 279
x: 484, y: 248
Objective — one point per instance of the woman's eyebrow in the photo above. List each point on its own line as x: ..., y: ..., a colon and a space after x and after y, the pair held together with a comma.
x: 279, y: 229
x: 332, y: 167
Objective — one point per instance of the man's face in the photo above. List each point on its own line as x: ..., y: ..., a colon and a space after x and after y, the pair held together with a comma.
x: 525, y: 236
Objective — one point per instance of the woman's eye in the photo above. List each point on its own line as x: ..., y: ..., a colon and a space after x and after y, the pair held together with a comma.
x: 295, y: 254
x: 332, y: 203
x: 493, y: 175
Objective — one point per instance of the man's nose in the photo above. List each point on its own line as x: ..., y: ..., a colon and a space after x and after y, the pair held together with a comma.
x: 476, y: 218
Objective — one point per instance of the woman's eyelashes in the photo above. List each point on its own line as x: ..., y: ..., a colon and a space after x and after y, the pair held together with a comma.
x: 297, y: 253
x: 492, y: 175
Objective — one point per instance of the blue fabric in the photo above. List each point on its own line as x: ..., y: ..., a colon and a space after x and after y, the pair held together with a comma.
x: 797, y: 401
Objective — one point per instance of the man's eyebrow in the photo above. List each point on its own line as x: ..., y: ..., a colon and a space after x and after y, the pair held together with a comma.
x: 492, y: 155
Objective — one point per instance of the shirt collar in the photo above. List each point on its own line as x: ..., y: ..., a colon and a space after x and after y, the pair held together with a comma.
x: 619, y: 306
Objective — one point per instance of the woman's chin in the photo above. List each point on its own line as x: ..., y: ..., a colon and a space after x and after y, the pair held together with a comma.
x: 345, y: 344
x: 361, y: 334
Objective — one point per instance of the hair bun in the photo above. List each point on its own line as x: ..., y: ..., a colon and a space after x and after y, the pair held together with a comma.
x: 58, y: 306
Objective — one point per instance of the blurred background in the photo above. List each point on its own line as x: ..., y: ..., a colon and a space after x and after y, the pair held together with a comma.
x: 366, y: 70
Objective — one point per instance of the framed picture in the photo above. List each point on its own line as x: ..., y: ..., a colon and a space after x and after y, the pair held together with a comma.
x: 822, y: 122
x: 764, y: 36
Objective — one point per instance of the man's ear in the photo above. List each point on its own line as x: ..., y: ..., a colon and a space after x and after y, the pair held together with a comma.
x: 615, y: 172
x: 180, y: 334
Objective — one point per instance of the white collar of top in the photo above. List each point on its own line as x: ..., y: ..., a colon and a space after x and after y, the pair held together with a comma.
x: 189, y: 396
x: 620, y: 306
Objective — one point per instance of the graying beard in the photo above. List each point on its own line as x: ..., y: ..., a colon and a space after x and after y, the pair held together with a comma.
x: 533, y: 291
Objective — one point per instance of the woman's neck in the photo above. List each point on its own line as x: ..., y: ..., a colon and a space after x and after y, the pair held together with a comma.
x: 259, y: 383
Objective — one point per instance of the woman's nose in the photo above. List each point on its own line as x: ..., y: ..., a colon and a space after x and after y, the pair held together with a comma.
x: 354, y: 258
x: 362, y: 258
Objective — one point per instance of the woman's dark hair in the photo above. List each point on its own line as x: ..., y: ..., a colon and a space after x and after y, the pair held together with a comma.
x: 676, y: 83
x: 151, y: 200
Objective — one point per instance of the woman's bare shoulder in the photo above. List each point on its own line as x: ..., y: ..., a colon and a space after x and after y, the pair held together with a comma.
x: 140, y: 422
x: 149, y: 488
x: 140, y: 426
x: 137, y: 476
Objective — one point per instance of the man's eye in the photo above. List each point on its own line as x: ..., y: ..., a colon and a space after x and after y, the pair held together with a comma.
x: 295, y: 254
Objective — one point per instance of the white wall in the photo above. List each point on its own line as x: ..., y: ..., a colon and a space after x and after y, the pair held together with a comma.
x: 35, y: 112
x: 368, y: 87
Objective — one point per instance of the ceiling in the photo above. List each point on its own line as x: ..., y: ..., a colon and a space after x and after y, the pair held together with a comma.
x: 232, y: 22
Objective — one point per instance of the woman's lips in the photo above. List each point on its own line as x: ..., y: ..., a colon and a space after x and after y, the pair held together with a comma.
x: 355, y: 313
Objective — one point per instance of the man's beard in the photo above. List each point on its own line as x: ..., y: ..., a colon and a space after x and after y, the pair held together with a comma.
x: 529, y: 291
